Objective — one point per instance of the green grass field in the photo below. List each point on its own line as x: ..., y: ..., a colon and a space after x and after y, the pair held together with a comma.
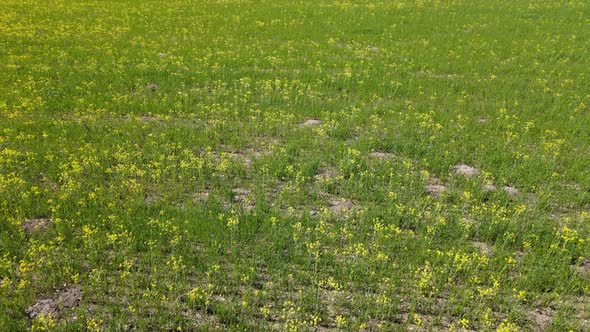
x: 307, y: 165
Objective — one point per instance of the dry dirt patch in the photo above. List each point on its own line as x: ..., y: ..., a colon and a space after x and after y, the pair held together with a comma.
x: 339, y: 206
x: 325, y: 174
x: 36, y: 225
x: 45, y: 307
x: 511, y: 191
x: 243, y: 197
x: 489, y: 188
x: 245, y: 155
x: 435, y: 188
x: 485, y: 248
x: 152, y: 87
x: 240, y: 194
x: 201, y: 195
x: 67, y: 298
x: 465, y: 170
x: 310, y: 123
x: 583, y: 268
x: 542, y: 318
x: 382, y: 155
x: 70, y: 297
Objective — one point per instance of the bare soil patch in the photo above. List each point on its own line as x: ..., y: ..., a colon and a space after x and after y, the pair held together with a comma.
x: 152, y: 87
x: 485, y: 248
x: 325, y: 174
x: 310, y: 123
x: 382, y: 155
x: 583, y: 268
x: 201, y: 195
x: 339, y: 206
x: 489, y: 188
x: 45, y: 307
x: 36, y: 225
x: 511, y: 191
x: 465, y: 170
x: 243, y: 197
x: 70, y: 297
x: 435, y: 188
x: 542, y: 318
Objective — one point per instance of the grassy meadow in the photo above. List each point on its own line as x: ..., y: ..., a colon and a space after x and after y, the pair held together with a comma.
x: 295, y: 165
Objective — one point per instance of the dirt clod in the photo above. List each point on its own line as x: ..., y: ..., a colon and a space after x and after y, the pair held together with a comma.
x: 465, y: 170
x: 489, y: 188
x: 46, y: 307
x: 485, y: 248
x: 511, y: 191
x: 70, y: 297
x: 310, y: 122
x: 152, y: 87
x: 435, y: 189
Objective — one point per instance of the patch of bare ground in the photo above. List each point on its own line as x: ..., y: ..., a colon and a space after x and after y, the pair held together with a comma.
x: 70, y: 297
x: 149, y: 118
x: 300, y: 211
x: 583, y: 268
x: 273, y: 190
x: 152, y: 198
x: 489, y: 188
x: 36, y: 225
x: 485, y: 248
x: 45, y: 307
x: 152, y: 87
x: 325, y: 174
x: 240, y: 194
x: 435, y: 188
x: 334, y: 300
x: 340, y: 206
x: 245, y: 155
x: 202, y: 195
x: 202, y: 318
x: 66, y: 298
x: 243, y: 197
x: 541, y: 317
x: 382, y: 155
x: 511, y: 191
x: 310, y: 123
x: 336, y: 206
x: 465, y: 170
x: 239, y: 156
